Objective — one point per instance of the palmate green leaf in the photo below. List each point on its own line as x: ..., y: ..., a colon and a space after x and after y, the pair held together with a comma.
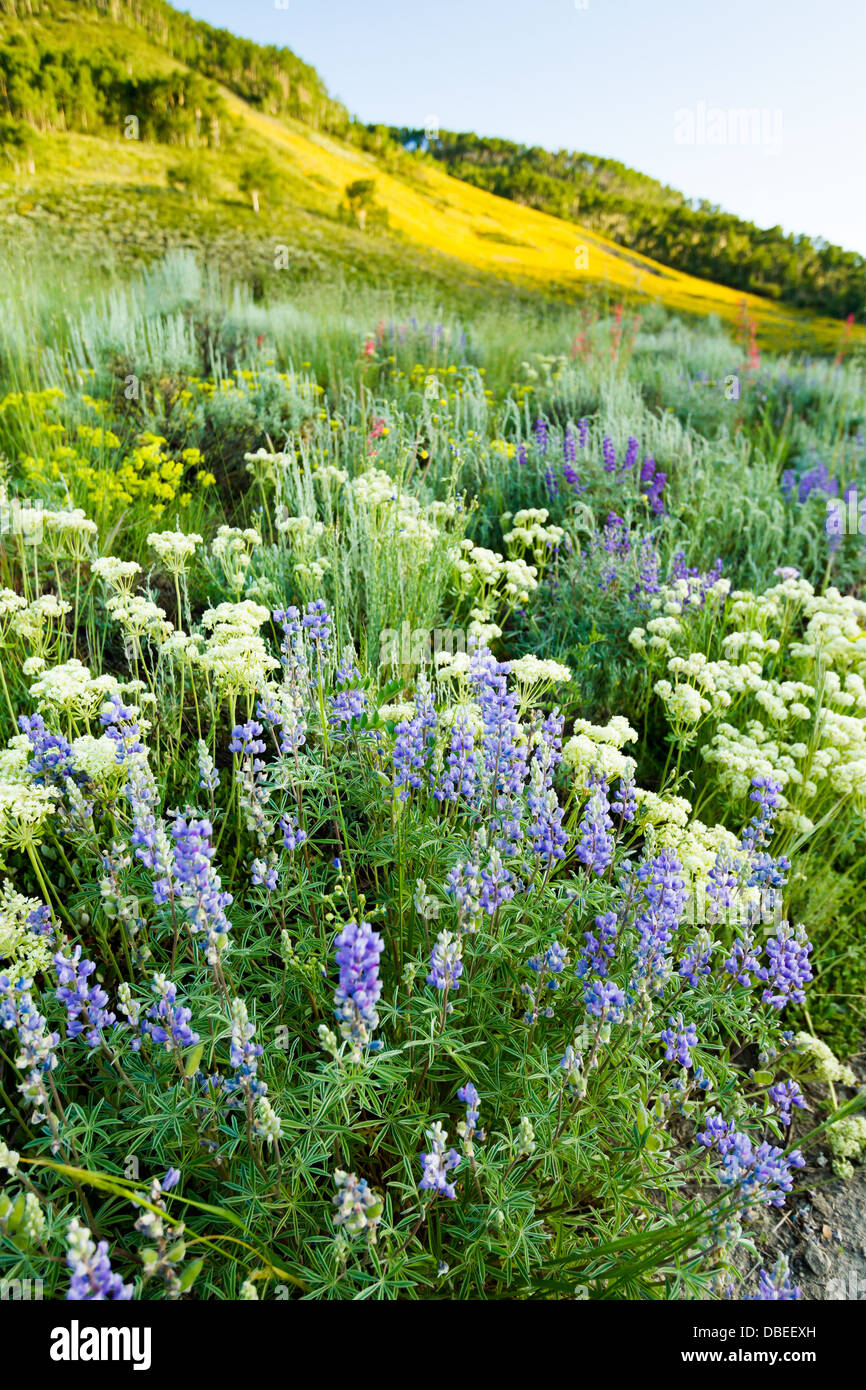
x: 120, y: 1187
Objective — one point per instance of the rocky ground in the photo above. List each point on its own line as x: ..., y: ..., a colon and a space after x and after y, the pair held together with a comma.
x: 822, y: 1229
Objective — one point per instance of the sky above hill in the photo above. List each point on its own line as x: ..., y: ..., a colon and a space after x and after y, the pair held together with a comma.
x: 756, y: 105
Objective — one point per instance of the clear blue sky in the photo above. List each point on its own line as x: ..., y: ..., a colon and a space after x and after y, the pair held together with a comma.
x: 614, y: 79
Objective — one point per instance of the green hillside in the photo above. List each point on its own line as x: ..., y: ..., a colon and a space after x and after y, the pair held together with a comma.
x: 641, y: 213
x: 128, y: 129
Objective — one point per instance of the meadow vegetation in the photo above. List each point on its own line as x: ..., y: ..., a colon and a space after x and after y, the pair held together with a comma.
x: 431, y: 791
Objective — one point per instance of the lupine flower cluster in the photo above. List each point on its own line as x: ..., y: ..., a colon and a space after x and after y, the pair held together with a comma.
x: 51, y: 754
x: 350, y: 701
x: 547, y: 966
x: 775, y: 1286
x: 358, y: 948
x: 458, y: 780
x: 198, y: 885
x: 761, y: 1173
x: 92, y: 1277
x: 679, y: 1038
x: 660, y: 884
x: 413, y: 744
x: 446, y: 965
x: 37, y: 1058
x: 786, y: 1096
x: 244, y: 1085
x: 437, y: 1163
x: 358, y: 1207
x: 469, y: 1129
x: 596, y: 844
x: 166, y: 1022
x: 122, y: 727
x: 86, y: 1014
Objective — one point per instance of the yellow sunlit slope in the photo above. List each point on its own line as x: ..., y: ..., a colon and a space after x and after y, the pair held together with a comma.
x: 491, y: 234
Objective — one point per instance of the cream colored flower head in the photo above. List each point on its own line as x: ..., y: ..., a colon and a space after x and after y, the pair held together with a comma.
x: 174, y: 548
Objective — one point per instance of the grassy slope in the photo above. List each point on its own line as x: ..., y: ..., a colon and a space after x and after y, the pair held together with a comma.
x: 459, y: 231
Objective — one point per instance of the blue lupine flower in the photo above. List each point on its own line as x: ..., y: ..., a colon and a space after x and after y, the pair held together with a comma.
x: 652, y: 484
x: 630, y: 454
x: 264, y: 874
x: 788, y: 969
x: 199, y: 885
x: 121, y: 726
x: 244, y: 1056
x: 446, y: 965
x: 679, y: 1038
x: 605, y: 1000
x: 595, y: 846
x: 768, y: 872
x: 317, y: 625
x: 464, y: 883
x: 541, y: 436
x: 661, y: 886
x: 208, y: 776
x: 358, y: 1207
x: 722, y: 882
x: 37, y: 1057
x: 599, y: 950
x: 469, y: 1129
x: 350, y: 701
x: 717, y: 1134
x: 761, y: 1174
x: 743, y: 960
x: 572, y: 477
x: 786, y: 1095
x: 293, y: 835
x: 149, y: 840
x: 459, y: 775
x: 92, y: 1276
x: 51, y: 753
x: 698, y: 958
x: 413, y: 744
x: 438, y: 1163
x: 358, y: 949
x: 767, y: 793
x: 505, y: 758
x: 471, y: 1099
x: 776, y: 1287
x: 40, y: 921
x: 549, y: 963
x: 247, y: 741
x: 545, y: 831
x: 86, y: 1014
x: 292, y: 652
x: 498, y: 884
x: 624, y: 801
x: 646, y: 559
x: 166, y: 1022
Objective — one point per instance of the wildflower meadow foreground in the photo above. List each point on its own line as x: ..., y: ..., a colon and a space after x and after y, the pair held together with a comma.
x: 431, y: 803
